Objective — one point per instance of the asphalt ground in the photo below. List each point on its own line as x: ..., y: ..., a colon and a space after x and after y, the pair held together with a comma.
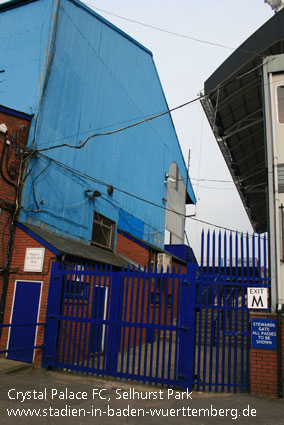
x: 35, y: 396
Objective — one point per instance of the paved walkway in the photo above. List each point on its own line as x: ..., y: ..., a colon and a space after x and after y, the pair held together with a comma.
x: 49, y: 397
x: 10, y: 366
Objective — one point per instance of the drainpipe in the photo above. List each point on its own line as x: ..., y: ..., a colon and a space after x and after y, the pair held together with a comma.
x: 280, y: 352
x: 271, y: 203
x: 274, y: 222
x: 276, y: 217
x: 6, y: 272
x: 278, y: 260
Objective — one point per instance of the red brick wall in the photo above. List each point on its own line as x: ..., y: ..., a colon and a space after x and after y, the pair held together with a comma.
x: 176, y: 266
x: 264, y: 366
x: 7, y: 191
x: 23, y: 241
x: 141, y: 255
x: 132, y: 250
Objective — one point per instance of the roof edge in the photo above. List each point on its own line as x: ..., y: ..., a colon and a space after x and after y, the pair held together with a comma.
x: 15, y: 113
x: 14, y: 3
x: 37, y: 238
x: 109, y: 24
x: 17, y: 3
x: 254, y: 46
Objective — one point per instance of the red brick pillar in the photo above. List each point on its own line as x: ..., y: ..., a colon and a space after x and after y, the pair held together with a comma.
x: 264, y: 363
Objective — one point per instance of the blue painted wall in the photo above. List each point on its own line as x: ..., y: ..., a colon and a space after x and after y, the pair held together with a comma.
x: 96, y: 79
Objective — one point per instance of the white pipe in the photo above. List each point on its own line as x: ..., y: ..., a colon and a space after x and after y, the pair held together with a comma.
x: 276, y: 200
x: 271, y: 204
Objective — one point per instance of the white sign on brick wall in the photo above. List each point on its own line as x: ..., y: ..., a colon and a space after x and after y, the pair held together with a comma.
x: 34, y: 260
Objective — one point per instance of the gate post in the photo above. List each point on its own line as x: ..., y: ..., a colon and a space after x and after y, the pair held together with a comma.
x: 52, y: 311
x: 114, y: 335
x: 187, y: 328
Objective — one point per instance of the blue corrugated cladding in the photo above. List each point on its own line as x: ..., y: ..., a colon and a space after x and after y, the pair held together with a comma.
x: 24, y: 48
x: 100, y: 80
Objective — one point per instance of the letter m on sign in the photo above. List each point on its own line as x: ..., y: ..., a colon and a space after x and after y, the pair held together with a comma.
x: 257, y: 298
x: 257, y: 303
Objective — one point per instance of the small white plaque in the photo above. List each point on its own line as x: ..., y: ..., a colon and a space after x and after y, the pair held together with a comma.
x: 257, y: 297
x: 34, y: 259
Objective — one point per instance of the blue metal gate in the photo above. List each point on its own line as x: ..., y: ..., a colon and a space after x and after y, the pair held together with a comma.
x: 128, y: 324
x: 175, y: 329
x: 229, y: 265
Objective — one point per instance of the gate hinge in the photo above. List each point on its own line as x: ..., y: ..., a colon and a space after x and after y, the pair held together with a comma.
x: 52, y: 316
x: 182, y: 377
x: 185, y: 282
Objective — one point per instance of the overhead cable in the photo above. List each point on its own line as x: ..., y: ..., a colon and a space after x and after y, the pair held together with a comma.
x: 198, y: 40
x: 149, y: 118
x: 109, y: 133
x: 88, y: 177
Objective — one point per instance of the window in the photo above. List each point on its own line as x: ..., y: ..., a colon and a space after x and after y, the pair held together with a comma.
x: 280, y: 102
x: 77, y: 290
x: 168, y: 237
x: 103, y: 231
x: 76, y: 286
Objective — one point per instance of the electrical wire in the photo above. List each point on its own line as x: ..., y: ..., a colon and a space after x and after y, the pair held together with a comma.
x: 108, y: 133
x: 86, y: 176
x: 212, y: 180
x: 43, y: 143
x: 204, y: 180
x: 198, y: 40
x: 222, y: 227
x: 34, y: 183
x: 149, y: 118
x: 213, y: 187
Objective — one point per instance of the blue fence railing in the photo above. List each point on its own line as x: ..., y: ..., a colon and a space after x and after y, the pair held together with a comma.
x: 15, y: 325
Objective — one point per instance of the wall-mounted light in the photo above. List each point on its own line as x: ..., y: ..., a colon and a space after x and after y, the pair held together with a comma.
x: 3, y: 128
x: 169, y: 179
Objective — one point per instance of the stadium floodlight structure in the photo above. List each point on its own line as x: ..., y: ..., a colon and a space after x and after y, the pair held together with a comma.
x: 275, y: 4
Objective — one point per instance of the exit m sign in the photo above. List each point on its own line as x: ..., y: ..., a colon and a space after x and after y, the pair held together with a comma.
x: 257, y: 298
